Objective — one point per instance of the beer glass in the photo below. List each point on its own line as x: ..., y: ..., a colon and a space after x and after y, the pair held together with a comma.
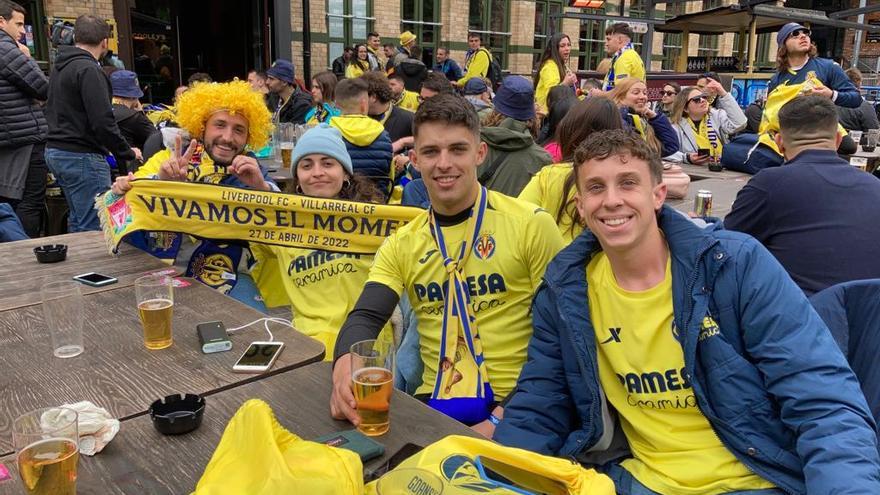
x: 155, y: 302
x: 287, y: 139
x: 64, y: 315
x: 47, y: 451
x: 871, y: 138
x: 856, y: 136
x: 372, y: 362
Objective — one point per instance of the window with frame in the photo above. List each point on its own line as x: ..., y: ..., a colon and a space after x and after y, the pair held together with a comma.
x: 592, y: 44
x: 545, y: 25
x: 348, y: 22
x: 491, y: 20
x: 708, y: 46
x: 671, y: 50
x: 422, y: 18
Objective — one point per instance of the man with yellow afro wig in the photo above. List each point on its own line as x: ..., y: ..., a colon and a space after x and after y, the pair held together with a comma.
x: 223, y: 119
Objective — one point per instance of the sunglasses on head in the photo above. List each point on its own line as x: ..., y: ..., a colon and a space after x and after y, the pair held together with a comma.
x: 670, y: 93
x: 798, y: 32
x: 698, y: 99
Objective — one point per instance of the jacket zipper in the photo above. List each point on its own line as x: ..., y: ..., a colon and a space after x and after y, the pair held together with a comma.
x: 729, y: 448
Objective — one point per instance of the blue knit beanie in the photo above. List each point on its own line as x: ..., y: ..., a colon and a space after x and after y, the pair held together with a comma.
x: 323, y: 140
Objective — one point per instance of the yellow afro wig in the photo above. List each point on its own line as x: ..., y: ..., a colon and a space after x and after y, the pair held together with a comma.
x: 198, y: 103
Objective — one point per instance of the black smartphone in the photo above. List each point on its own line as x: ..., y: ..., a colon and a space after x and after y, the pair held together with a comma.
x: 354, y: 441
x: 95, y: 279
x: 703, y: 152
x: 402, y: 454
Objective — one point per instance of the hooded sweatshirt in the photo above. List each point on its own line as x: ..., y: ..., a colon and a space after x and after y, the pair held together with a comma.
x: 369, y: 146
x: 522, y: 160
x: 79, y: 112
x: 413, y: 72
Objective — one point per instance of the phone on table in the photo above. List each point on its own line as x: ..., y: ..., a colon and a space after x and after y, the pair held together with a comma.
x: 404, y: 453
x: 95, y: 279
x: 516, y: 479
x: 703, y: 152
x: 354, y: 441
x: 258, y: 357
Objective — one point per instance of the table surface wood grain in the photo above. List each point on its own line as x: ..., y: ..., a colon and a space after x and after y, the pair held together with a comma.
x: 116, y: 371
x: 140, y: 460
x: 21, y: 276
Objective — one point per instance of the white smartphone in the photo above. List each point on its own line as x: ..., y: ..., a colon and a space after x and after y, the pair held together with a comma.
x: 95, y: 279
x: 259, y: 357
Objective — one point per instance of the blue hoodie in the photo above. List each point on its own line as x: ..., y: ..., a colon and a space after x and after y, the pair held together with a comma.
x: 772, y: 383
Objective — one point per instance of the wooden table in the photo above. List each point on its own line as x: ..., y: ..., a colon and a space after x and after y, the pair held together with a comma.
x: 116, y: 371
x: 21, y: 276
x: 282, y: 176
x: 724, y: 192
x: 700, y: 172
x: 140, y: 460
x: 873, y: 158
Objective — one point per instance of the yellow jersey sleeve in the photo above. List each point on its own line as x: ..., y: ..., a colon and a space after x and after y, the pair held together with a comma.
x: 151, y: 167
x: 410, y: 101
x: 549, y: 77
x: 542, y: 242
x: 266, y: 273
x: 478, y: 67
x: 352, y: 71
x: 388, y: 266
x: 629, y: 64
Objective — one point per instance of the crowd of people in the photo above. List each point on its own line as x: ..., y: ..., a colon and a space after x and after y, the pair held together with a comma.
x: 550, y: 299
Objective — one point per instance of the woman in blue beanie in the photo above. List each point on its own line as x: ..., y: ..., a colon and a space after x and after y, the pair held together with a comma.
x: 320, y: 286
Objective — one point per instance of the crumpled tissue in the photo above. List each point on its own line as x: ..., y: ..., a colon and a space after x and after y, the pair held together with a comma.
x: 96, y: 426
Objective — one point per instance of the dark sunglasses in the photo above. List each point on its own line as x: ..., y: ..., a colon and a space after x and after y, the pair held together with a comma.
x: 698, y: 99
x: 798, y: 32
x: 670, y: 93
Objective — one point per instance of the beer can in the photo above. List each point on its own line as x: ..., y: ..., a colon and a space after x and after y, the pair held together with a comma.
x: 703, y: 203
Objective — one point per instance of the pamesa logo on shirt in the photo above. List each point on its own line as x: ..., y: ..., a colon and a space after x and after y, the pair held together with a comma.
x: 709, y: 328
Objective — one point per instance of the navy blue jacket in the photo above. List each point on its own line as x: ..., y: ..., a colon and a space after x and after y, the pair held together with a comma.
x: 663, y: 129
x: 21, y: 83
x: 852, y: 312
x: 831, y: 76
x: 450, y: 69
x: 819, y: 217
x: 373, y: 161
x: 772, y: 383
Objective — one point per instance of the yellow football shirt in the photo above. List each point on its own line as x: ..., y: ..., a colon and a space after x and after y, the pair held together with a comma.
x: 516, y: 241
x: 641, y: 369
x: 408, y: 101
x: 320, y: 286
x: 546, y: 188
x: 628, y: 64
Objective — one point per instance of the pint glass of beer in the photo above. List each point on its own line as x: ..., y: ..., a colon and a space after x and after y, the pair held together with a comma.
x: 47, y: 452
x: 155, y: 302
x: 287, y: 139
x: 372, y: 381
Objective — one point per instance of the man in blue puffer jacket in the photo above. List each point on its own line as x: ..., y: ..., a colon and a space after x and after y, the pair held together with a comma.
x: 366, y: 139
x: 718, y: 373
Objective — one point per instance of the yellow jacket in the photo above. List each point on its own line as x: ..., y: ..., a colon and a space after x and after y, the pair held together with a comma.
x: 352, y: 71
x: 547, y: 78
x: 477, y: 66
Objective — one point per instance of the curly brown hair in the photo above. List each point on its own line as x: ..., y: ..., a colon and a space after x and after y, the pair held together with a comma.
x: 782, y: 64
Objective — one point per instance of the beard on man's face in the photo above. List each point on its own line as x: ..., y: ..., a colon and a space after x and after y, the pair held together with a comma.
x: 216, y: 149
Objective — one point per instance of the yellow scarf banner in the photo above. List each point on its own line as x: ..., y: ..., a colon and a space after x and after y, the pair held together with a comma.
x: 221, y: 212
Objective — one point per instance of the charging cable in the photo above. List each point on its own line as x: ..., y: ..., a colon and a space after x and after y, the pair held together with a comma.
x: 265, y: 322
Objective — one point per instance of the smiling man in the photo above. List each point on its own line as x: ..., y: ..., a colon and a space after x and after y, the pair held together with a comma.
x: 469, y: 267
x: 695, y: 341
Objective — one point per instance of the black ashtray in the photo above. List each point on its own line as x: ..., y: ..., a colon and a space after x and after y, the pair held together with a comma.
x: 51, y: 253
x: 177, y: 414
x: 715, y: 167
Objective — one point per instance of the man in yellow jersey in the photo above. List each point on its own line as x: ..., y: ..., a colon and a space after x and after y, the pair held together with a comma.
x: 625, y: 60
x: 476, y: 61
x: 469, y: 266
x: 694, y: 342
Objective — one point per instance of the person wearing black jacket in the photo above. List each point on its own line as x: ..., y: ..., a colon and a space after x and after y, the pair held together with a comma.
x: 82, y: 129
x: 135, y: 127
x: 22, y: 124
x: 289, y: 103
